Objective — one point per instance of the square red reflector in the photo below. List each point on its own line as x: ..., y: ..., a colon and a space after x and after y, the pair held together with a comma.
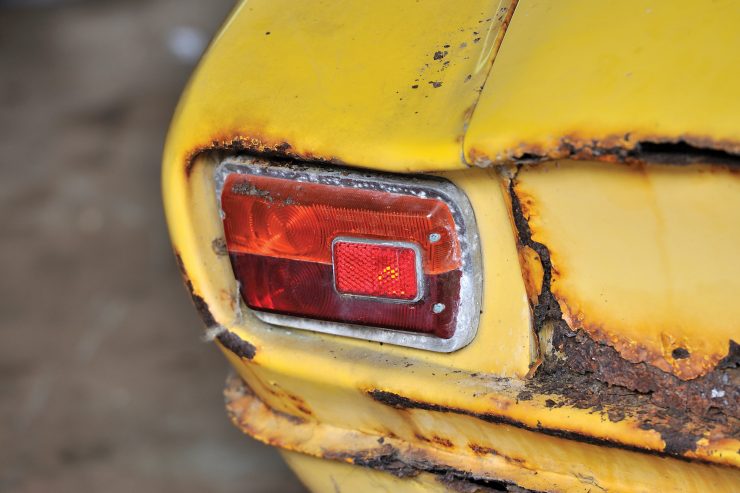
x: 377, y: 269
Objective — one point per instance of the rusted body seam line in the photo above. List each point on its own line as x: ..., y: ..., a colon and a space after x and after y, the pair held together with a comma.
x: 237, y: 345
x: 200, y: 304
x: 238, y: 144
x: 400, y: 402
x: 678, y: 150
x: 386, y: 458
x: 651, y: 393
x: 228, y: 339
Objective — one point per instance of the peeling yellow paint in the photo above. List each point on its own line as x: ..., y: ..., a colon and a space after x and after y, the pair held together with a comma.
x: 485, y: 450
x: 644, y: 257
x: 369, y: 86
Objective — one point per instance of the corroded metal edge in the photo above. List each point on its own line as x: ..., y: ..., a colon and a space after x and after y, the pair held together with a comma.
x: 387, y: 454
x: 581, y: 372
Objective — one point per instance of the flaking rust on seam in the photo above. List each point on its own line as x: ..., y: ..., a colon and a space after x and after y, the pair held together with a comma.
x: 228, y: 339
x: 404, y: 403
x: 256, y: 145
x: 399, y: 460
x: 589, y: 374
x: 198, y: 301
x: 237, y: 345
x: 676, y: 359
x: 627, y: 148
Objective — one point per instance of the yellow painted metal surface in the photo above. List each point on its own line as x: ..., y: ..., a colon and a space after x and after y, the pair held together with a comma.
x: 335, y: 82
x: 329, y: 372
x: 586, y: 77
x: 327, y: 476
x: 459, y: 444
x: 644, y: 257
x: 503, y: 344
x: 384, y: 84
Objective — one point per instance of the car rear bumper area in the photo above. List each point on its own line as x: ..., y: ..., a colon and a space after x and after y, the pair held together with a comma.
x: 437, y: 449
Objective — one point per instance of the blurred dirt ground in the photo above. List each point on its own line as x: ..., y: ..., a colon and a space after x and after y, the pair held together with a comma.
x: 104, y: 382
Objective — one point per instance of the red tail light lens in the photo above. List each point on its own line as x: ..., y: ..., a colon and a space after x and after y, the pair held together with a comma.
x: 357, y: 253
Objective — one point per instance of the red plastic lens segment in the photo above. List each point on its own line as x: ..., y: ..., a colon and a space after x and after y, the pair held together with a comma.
x: 324, y: 246
x: 377, y: 269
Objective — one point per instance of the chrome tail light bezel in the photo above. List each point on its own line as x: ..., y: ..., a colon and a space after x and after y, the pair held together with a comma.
x: 471, y: 280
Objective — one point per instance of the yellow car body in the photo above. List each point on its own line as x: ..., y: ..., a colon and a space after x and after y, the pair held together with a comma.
x: 598, y: 143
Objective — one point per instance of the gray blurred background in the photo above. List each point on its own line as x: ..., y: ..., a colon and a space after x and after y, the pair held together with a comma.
x: 104, y: 382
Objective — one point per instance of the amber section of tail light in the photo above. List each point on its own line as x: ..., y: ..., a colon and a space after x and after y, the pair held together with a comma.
x: 294, y: 220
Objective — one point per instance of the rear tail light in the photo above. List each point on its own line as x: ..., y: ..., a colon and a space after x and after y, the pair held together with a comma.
x: 391, y: 259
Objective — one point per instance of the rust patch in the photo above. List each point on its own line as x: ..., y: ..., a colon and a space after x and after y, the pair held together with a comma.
x: 198, y: 301
x: 588, y: 374
x: 482, y: 450
x: 471, y: 485
x: 237, y: 345
x: 254, y: 144
x: 444, y: 442
x: 299, y: 403
x: 441, y: 441
x: 385, y: 457
x: 403, y: 403
x: 687, y: 366
x: 421, y: 438
x: 218, y: 245
x: 629, y: 147
x: 237, y: 388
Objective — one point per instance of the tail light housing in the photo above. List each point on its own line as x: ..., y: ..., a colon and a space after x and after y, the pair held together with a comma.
x: 385, y: 258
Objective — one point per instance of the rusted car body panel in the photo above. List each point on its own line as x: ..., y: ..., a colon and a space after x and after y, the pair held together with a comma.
x: 385, y: 85
x: 606, y: 355
x: 611, y: 81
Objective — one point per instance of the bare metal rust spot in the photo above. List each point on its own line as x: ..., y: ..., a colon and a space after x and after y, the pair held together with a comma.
x: 482, y: 450
x: 237, y: 345
x: 385, y: 458
x: 444, y: 442
x: 299, y: 403
x: 257, y: 145
x: 247, y: 188
x: 198, y: 301
x: 680, y: 353
x: 586, y: 374
x: 218, y: 246
x: 403, y: 403
x: 471, y: 485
